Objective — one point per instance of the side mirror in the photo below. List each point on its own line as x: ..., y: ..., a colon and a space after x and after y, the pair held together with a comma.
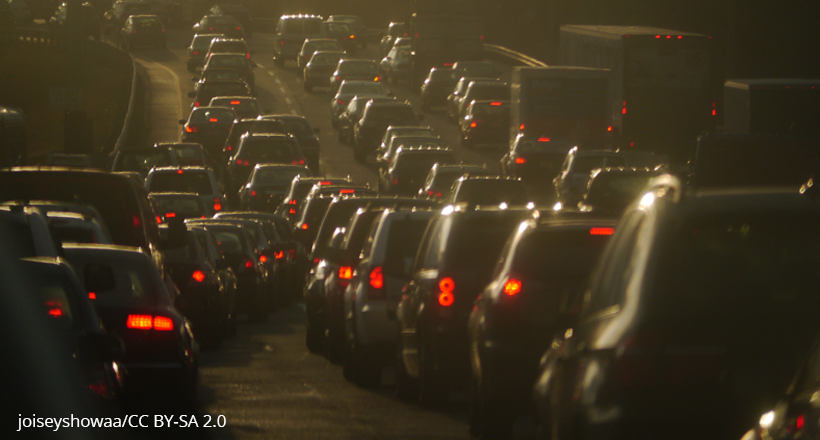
x: 192, y: 94
x: 100, y: 347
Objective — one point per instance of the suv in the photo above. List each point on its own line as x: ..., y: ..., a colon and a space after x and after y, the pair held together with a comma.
x: 574, y: 175
x: 695, y: 317
x: 409, y: 168
x: 199, y: 180
x: 291, y: 32
x: 200, y: 46
x: 260, y: 148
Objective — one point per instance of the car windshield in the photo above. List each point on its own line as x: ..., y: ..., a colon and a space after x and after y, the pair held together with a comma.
x: 411, y: 131
x: 230, y: 240
x: 495, y: 108
x: 555, y: 257
x: 297, y: 126
x: 440, y: 75
x: 210, y: 115
x: 547, y: 145
x: 265, y: 151
x: 313, y: 46
x: 414, y: 141
x: 338, y: 28
x: 326, y: 58
x: 220, y: 19
x: 143, y: 161
x: 185, y: 207
x: 221, y: 75
x: 278, y: 176
x: 187, y: 181
x: 188, y: 252
x: 480, y: 70
x: 146, y: 22
x: 228, y: 62
x: 372, y: 88
x: 493, y: 92
x: 202, y: 42
x: 188, y: 154
x: 616, y: 189
x: 361, y: 68
x: 492, y: 192
x: 586, y: 163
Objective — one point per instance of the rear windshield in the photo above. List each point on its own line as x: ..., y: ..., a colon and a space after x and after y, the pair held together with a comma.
x: 203, y: 115
x: 230, y: 240
x: 316, y: 211
x: 557, y: 258
x: 186, y: 253
x: 189, y: 155
x: 363, y: 68
x: 228, y: 61
x: 479, y: 70
x: 585, y: 164
x: 221, y: 75
x: 399, y: 113
x: 277, y: 176
x: 229, y: 46
x: 264, y: 151
x: 225, y: 89
x: 133, y: 280
x: 313, y: 46
x: 402, y: 243
x: 75, y: 232
x: 339, y: 216
x: 326, y: 58
x: 338, y: 28
x: 297, y: 127
x: 440, y: 75
x: 619, y: 189
x: 185, y: 207
x: 192, y: 182
x: 16, y: 238
x: 241, y: 105
x: 488, y: 109
x: 146, y: 22
x: 499, y: 93
x: 202, y: 42
x: 143, y: 161
x: 422, y: 162
x: 492, y: 192
x: 415, y: 141
x: 220, y: 19
x: 373, y: 88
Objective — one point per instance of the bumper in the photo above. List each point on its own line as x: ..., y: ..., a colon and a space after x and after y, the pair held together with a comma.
x: 376, y: 322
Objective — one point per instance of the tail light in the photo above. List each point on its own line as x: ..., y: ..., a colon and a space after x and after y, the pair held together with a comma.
x: 248, y: 55
x: 238, y: 28
x: 445, y: 296
x: 395, y: 181
x: 376, y: 282
x: 279, y: 255
x: 196, y: 52
x: 133, y: 32
x: 339, y: 78
x: 92, y: 295
x: 347, y: 191
x: 217, y: 204
x: 473, y: 124
x: 377, y: 78
x: 249, y: 264
x: 136, y: 221
x: 263, y: 259
x: 253, y: 193
x: 147, y: 322
x: 159, y: 220
x: 345, y: 274
x: 210, y: 29
x: 190, y: 129
x: 196, y: 104
x: 352, y: 37
x: 431, y: 193
x: 292, y: 211
x: 292, y: 254
x: 340, y: 102
x: 543, y: 139
x: 170, y: 214
x: 292, y: 202
x: 521, y: 127
x: 198, y: 276
x: 601, y: 231
x: 281, y: 42
x: 520, y: 160
x: 55, y: 308
x: 304, y: 226
x: 512, y: 287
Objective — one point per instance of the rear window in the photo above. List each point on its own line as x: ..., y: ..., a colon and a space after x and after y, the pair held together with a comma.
x: 202, y: 115
x: 221, y: 75
x: 16, y: 236
x: 277, y: 176
x: 228, y: 61
x: 132, y: 280
x: 146, y: 22
x: 185, y: 207
x: 142, y: 161
x: 191, y: 182
x: 500, y: 93
x: 229, y: 46
x: 422, y: 162
x: 264, y: 151
x: 188, y: 252
x: 585, y: 164
x: 316, y: 211
x: 398, y: 113
x: 326, y: 58
x: 298, y: 127
x: 362, y: 68
x: 402, y: 243
x: 557, y: 258
x: 189, y: 155
x: 619, y: 189
x: 479, y: 70
x: 229, y: 240
x: 492, y: 192
x: 367, y: 88
x: 202, y: 42
x: 75, y: 233
x: 312, y: 26
x: 440, y: 75
x: 241, y: 105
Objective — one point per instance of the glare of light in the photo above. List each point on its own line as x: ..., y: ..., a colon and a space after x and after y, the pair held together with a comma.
x: 447, y: 210
x: 766, y: 420
x: 503, y: 205
x: 530, y: 205
x: 522, y: 226
x: 557, y: 206
x: 648, y: 199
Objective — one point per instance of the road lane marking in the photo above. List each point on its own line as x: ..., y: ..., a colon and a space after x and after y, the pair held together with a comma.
x: 289, y: 101
x: 271, y: 73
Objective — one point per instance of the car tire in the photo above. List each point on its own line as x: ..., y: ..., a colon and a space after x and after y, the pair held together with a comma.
x: 406, y: 386
x: 432, y: 389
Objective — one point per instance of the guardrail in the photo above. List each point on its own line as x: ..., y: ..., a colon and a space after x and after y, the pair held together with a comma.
x: 516, y: 56
x: 129, y: 114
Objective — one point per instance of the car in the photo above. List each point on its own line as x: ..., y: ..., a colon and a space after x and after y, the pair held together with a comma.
x: 260, y: 148
x: 394, y: 31
x: 220, y: 24
x: 452, y: 267
x: 90, y: 19
x: 312, y: 45
x: 574, y: 174
x: 539, y: 277
x: 232, y: 61
x: 314, y: 207
x: 133, y: 303
x: 198, y: 180
x: 706, y: 341
x: 236, y: 244
x: 178, y: 206
x: 206, y: 302
x: 396, y: 142
x: 347, y: 90
x: 441, y: 177
x: 299, y: 189
x: 237, y: 11
x: 123, y: 205
x: 357, y: 28
x: 114, y: 18
x: 228, y: 45
x: 374, y: 291
x: 267, y: 186
x: 342, y: 33
x: 395, y: 66
x: 32, y: 235
x: 252, y: 126
x: 187, y: 153
x: 485, y: 123
x: 245, y: 107
x: 536, y: 160
x: 198, y: 48
x: 436, y: 87
x: 318, y: 69
x: 474, y: 69
x: 307, y: 136
x: 142, y: 30
x: 456, y: 94
x: 409, y: 168
x: 496, y: 91
x: 290, y: 34
x: 611, y: 190
x: 488, y: 190
x: 209, y: 127
x: 221, y: 74
x: 402, y: 130
x: 353, y: 112
x: 377, y: 116
x: 205, y: 90
x: 141, y: 160
x: 353, y: 70
x: 72, y: 227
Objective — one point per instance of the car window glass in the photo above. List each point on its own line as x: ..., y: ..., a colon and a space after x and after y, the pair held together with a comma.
x: 610, y: 283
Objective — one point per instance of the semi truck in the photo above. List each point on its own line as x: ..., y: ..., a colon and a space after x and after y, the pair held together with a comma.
x: 664, y: 93
x: 566, y: 103
x: 441, y: 33
x: 787, y: 107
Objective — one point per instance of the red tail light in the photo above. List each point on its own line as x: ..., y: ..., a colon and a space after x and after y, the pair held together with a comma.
x: 239, y: 28
x: 395, y: 181
x: 217, y: 205
x: 301, y: 161
x: 304, y: 226
x: 345, y: 272
x: 233, y: 103
x: 253, y: 193
x: 340, y: 102
x: 282, y: 42
x: 159, y: 220
x: 292, y: 202
x: 376, y: 278
x: 279, y: 255
x: 430, y: 192
x: 338, y: 78
x: 512, y: 287
x: 248, y: 264
x: 292, y: 254
x: 92, y: 295
x: 133, y: 32
x: 347, y: 191
x: 543, y: 139
x: 445, y: 297
x: 55, y: 308
x: 210, y: 29
x: 263, y: 259
x: 180, y: 171
x: 473, y: 124
x: 521, y: 127
x: 248, y: 55
x: 323, y: 183
x: 162, y: 323
x: 520, y: 160
x: 609, y: 128
x: 196, y: 52
x: 170, y: 215
x: 601, y: 231
x: 136, y: 221
x: 292, y: 211
x: 198, y: 276
x: 142, y: 322
x: 495, y: 103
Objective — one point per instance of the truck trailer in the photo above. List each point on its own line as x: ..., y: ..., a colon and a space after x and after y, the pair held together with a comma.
x: 786, y: 107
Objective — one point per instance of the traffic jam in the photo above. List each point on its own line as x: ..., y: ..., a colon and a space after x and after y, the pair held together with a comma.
x: 630, y: 263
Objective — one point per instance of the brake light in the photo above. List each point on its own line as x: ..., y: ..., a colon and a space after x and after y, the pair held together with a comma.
x: 92, y: 295
x: 323, y: 183
x: 544, y: 139
x: 190, y: 129
x: 248, y: 55
x: 521, y: 127
x: 292, y: 253
x: 601, y: 231
x: 133, y: 32
x: 338, y: 78
x: 624, y: 109
x: 304, y: 226
x: 210, y: 29
x: 377, y: 78
x: 196, y: 104
x: 609, y: 128
x: 263, y: 259
x: 238, y: 28
x: 213, y: 120
x: 142, y: 322
x: 345, y: 272
x: 279, y: 255
x: 376, y: 278
x: 253, y: 193
x: 495, y: 103
x: 301, y: 161
x: 180, y: 171
x: 217, y: 204
x: 292, y: 211
x: 136, y: 221
x: 512, y: 287
x: 198, y: 276
x: 196, y: 52
x: 292, y: 202
x: 352, y: 37
x: 473, y: 124
x: 347, y: 191
x: 248, y: 264
x: 448, y: 64
x: 281, y: 42
x: 395, y: 181
x: 170, y: 215
x: 520, y: 160
x: 445, y: 297
x: 430, y: 192
x: 232, y: 103
x: 162, y: 323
